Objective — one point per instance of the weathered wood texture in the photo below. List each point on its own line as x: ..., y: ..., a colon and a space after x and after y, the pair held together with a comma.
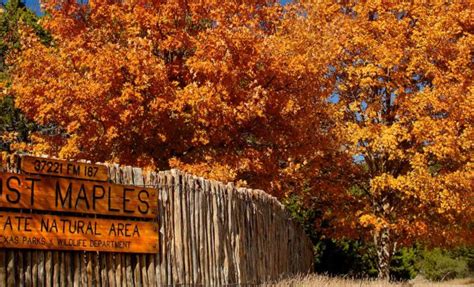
x: 50, y: 232
x: 209, y: 234
x: 76, y: 196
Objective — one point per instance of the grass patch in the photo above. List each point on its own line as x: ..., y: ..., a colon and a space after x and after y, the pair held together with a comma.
x: 315, y: 280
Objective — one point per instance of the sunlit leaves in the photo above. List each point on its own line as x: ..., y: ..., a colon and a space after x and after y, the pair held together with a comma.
x: 208, y: 87
x: 403, y: 83
x: 281, y: 98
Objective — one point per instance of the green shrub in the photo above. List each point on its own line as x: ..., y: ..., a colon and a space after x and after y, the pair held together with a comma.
x: 438, y: 265
x: 403, y: 265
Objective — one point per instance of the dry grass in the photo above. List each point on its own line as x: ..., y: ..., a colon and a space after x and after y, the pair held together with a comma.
x: 327, y: 281
x: 452, y: 283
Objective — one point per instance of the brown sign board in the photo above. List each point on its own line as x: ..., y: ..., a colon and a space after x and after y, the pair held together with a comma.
x: 63, y: 168
x: 38, y: 192
x: 41, y: 231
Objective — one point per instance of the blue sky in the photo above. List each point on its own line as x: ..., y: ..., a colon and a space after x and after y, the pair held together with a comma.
x: 34, y: 4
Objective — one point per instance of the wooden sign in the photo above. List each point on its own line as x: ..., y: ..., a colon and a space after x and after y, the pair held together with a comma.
x: 37, y: 231
x: 74, y: 195
x: 63, y: 168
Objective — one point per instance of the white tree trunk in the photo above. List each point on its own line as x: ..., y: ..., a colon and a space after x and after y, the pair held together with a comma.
x: 385, y: 250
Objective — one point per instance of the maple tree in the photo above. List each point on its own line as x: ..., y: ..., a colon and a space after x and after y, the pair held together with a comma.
x: 403, y: 98
x: 284, y: 100
x: 203, y: 86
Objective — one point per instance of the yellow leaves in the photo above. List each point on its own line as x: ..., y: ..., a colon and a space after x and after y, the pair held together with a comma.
x: 71, y: 149
x: 73, y: 126
x: 8, y: 136
x: 404, y: 94
x: 3, y: 88
x: 373, y: 222
x: 41, y: 146
x: 354, y: 106
x: 291, y: 108
x: 419, y: 162
x: 207, y: 169
x: 383, y: 183
x: 377, y: 138
x: 112, y: 134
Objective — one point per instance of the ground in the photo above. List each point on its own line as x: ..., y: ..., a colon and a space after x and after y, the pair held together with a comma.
x: 326, y: 281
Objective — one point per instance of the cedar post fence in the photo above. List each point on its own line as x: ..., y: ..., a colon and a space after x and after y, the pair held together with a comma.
x: 210, y: 233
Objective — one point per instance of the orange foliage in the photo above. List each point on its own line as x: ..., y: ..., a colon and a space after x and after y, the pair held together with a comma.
x: 279, y: 100
x: 205, y: 86
x: 404, y: 107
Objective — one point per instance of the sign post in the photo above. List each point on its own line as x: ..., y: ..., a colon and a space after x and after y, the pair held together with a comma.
x: 42, y: 231
x: 74, y: 192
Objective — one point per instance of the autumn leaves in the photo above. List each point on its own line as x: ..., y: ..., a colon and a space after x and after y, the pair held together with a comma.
x: 278, y: 98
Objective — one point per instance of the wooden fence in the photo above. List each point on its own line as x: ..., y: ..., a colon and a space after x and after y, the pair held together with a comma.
x: 210, y: 234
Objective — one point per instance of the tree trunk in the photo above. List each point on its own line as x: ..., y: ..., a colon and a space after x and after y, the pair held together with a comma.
x: 385, y: 250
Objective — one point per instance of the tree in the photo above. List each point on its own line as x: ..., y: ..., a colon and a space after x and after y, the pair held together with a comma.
x: 403, y: 98
x: 202, y: 86
x: 14, y: 127
x: 313, y: 99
